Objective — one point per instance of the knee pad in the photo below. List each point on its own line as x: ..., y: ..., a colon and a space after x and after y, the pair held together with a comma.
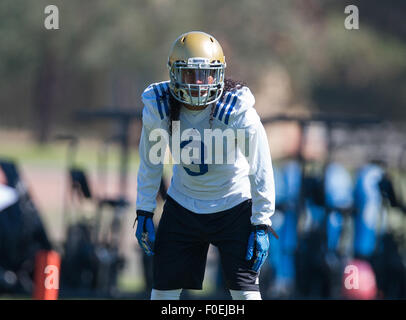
x: 245, y: 295
x: 165, y: 294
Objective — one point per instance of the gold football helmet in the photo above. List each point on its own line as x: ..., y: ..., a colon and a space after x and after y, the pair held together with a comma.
x: 196, y: 69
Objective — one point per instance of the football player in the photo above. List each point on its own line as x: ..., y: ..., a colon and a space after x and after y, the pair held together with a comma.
x: 228, y: 205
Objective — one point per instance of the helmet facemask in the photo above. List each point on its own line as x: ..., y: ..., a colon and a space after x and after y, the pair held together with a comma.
x: 197, y: 82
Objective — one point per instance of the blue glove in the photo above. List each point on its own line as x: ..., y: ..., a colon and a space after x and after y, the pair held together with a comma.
x: 145, y: 232
x: 258, y: 241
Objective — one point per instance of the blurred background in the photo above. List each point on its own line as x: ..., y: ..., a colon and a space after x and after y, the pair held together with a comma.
x: 331, y: 99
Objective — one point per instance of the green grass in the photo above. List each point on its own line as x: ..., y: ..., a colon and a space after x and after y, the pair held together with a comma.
x: 54, y: 155
x: 128, y: 283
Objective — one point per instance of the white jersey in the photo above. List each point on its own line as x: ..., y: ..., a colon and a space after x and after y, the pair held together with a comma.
x: 203, y: 186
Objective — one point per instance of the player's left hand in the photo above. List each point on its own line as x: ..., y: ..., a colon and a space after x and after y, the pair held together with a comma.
x: 145, y: 232
x: 258, y: 246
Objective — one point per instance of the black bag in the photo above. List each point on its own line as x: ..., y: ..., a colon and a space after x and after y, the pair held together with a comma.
x: 22, y: 235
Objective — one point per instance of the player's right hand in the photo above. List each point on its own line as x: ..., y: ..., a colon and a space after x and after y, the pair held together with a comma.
x: 145, y: 232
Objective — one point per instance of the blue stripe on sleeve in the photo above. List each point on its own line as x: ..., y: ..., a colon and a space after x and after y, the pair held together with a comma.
x: 225, y: 107
x: 230, y: 109
x: 219, y: 104
x: 158, y: 101
x: 164, y: 97
x: 217, y: 108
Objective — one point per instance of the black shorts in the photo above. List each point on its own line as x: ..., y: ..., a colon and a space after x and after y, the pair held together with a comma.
x: 182, y: 243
